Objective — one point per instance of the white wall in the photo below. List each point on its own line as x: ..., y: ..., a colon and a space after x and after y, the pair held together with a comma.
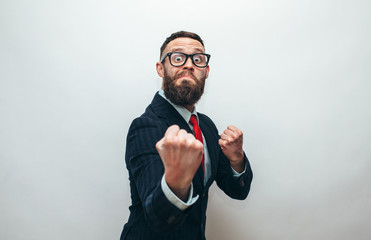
x: 293, y: 75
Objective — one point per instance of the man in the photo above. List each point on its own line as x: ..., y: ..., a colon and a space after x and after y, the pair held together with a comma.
x: 174, y: 153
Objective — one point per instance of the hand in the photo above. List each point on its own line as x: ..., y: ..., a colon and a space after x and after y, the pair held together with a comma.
x: 231, y: 144
x: 181, y: 154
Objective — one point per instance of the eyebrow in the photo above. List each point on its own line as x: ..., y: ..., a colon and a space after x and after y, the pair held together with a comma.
x: 180, y: 49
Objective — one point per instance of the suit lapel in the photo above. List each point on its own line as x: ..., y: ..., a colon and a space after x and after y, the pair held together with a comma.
x: 168, y: 113
x: 211, y: 146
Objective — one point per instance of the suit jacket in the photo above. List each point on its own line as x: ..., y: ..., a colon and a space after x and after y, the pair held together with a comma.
x: 152, y: 216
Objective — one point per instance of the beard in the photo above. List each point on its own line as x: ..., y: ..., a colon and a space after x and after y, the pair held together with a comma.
x: 185, y: 94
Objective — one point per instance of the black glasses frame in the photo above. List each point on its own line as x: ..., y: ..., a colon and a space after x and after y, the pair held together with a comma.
x: 187, y: 56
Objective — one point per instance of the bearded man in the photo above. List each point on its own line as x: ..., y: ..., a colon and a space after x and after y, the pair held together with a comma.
x: 175, y: 153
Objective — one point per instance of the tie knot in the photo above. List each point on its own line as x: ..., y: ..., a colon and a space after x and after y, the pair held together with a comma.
x: 193, y: 119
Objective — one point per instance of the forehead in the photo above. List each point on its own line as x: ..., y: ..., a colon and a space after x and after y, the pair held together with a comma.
x: 184, y: 44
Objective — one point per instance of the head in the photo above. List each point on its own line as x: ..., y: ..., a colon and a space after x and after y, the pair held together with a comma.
x: 183, y: 85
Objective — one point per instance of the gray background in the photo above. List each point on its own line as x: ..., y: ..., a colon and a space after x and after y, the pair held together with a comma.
x: 293, y: 75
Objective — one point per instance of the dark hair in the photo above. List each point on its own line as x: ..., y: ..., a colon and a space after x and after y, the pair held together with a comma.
x: 178, y: 35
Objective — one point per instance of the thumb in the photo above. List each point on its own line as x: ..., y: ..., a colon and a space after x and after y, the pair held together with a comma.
x: 221, y: 143
x: 159, y: 144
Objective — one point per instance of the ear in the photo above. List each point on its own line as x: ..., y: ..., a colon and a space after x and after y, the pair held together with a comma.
x: 207, y: 71
x: 160, y: 69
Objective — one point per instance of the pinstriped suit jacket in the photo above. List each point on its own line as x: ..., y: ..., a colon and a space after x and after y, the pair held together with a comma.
x: 152, y: 216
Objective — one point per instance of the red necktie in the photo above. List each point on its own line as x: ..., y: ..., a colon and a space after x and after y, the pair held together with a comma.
x: 198, y: 135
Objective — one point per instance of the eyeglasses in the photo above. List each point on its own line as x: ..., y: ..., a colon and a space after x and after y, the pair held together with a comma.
x: 178, y: 59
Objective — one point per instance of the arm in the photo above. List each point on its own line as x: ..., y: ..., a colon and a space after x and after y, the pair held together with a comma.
x: 232, y: 154
x: 146, y: 171
x: 237, y: 188
x: 181, y: 155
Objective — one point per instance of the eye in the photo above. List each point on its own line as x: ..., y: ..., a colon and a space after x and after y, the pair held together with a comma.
x: 177, y: 58
x: 199, y: 58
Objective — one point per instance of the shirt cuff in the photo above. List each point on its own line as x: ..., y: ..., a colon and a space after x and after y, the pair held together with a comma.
x: 236, y: 174
x: 174, y: 199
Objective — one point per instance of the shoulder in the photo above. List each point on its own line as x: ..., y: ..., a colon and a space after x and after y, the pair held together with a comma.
x: 148, y: 124
x: 205, y: 120
x: 203, y: 117
x: 144, y: 132
x: 149, y: 119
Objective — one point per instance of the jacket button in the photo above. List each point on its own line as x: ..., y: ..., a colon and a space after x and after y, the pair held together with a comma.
x: 242, y: 183
x: 171, y: 219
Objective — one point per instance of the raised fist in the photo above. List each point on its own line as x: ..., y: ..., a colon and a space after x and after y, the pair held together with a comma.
x: 181, y: 154
x: 231, y: 141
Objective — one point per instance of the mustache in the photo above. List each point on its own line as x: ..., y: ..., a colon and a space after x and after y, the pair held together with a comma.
x: 186, y: 73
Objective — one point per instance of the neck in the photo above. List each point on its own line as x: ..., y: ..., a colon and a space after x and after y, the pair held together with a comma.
x: 189, y: 107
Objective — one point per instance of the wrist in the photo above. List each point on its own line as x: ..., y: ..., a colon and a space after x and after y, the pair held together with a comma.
x: 178, y: 186
x: 238, y: 165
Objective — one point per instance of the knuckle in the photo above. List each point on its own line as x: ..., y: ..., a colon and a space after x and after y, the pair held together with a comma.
x: 170, y: 141
x: 174, y: 126
x: 190, y: 135
x: 200, y: 146
x: 182, y: 131
x: 167, y: 140
x: 189, y: 142
x: 182, y: 142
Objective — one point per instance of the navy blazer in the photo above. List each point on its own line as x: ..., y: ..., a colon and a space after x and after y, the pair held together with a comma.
x: 152, y: 216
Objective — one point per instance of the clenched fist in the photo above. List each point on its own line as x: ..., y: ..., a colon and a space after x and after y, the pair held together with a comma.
x: 181, y: 154
x: 231, y: 144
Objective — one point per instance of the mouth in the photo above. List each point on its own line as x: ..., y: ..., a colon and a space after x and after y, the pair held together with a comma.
x: 187, y: 78
x: 185, y: 75
x: 185, y: 81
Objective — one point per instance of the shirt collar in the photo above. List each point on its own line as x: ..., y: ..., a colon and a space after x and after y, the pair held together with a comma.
x: 186, y: 115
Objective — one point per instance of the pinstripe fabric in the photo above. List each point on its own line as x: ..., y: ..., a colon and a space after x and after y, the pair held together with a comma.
x: 152, y: 216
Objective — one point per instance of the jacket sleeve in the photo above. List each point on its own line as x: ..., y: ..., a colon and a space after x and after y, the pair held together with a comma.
x: 146, y: 170
x: 236, y: 188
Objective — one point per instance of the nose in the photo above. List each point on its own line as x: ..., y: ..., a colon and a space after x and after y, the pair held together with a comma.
x: 188, y: 64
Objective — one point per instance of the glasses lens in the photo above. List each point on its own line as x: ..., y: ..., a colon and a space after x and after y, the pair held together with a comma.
x: 177, y: 59
x: 200, y: 60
